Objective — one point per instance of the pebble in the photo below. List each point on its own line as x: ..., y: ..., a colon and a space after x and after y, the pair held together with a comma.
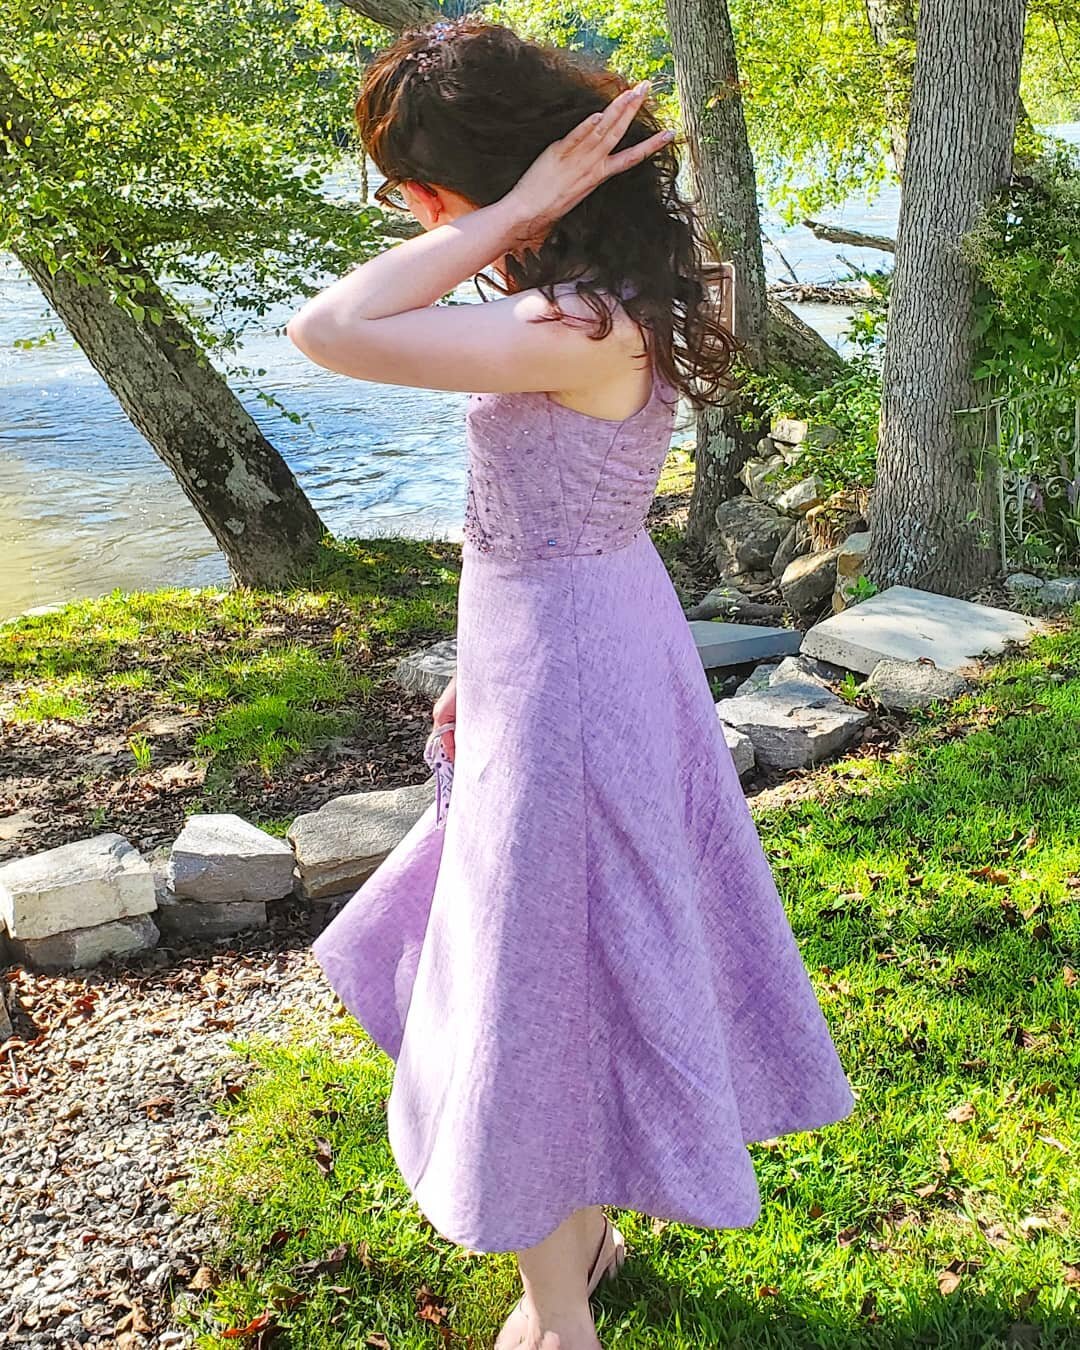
x: 85, y: 1152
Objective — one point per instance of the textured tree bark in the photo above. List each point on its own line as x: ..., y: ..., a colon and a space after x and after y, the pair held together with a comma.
x: 239, y: 484
x: 930, y: 516
x: 707, y: 76
x: 241, y: 487
x: 892, y: 25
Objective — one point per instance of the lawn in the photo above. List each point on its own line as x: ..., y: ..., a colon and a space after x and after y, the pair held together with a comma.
x: 936, y: 897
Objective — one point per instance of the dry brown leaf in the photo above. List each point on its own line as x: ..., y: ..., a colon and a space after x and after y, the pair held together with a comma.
x: 768, y: 1291
x: 377, y: 1341
x: 962, y: 1113
x: 997, y: 876
x: 948, y: 1281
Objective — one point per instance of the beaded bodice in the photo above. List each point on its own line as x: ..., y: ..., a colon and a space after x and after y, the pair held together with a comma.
x: 546, y: 481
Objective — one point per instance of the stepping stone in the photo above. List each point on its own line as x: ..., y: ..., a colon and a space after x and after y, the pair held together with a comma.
x: 793, y: 725
x: 81, y: 947
x: 741, y: 644
x: 908, y: 685
x: 902, y: 624
x: 340, y: 845
x: 220, y: 858
x: 428, y: 671
x: 76, y: 886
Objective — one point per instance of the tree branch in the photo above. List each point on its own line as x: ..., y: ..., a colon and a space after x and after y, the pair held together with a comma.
x: 836, y: 234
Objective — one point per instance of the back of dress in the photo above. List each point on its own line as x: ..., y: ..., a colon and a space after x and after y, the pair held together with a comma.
x: 547, y: 481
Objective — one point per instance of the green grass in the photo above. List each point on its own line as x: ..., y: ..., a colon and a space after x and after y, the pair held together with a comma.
x: 936, y: 899
x: 269, y: 676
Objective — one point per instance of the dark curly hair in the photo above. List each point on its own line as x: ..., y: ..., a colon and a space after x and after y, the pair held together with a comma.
x: 468, y: 105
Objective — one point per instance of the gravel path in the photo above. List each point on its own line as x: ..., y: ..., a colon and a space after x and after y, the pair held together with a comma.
x: 107, y: 1092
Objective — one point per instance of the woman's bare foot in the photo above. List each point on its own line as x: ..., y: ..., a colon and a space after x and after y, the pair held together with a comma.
x: 553, y: 1313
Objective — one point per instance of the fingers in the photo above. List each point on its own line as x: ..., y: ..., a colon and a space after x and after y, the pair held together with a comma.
x: 619, y: 113
x: 606, y: 128
x: 634, y: 154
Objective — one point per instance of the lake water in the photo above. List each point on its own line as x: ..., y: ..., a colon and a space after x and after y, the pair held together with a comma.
x: 85, y: 505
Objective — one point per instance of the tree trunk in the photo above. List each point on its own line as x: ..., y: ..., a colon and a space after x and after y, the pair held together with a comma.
x: 931, y: 517
x: 892, y: 25
x: 723, y: 171
x: 241, y: 487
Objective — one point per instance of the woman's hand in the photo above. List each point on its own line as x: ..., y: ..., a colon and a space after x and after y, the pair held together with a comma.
x: 445, y: 710
x: 569, y: 169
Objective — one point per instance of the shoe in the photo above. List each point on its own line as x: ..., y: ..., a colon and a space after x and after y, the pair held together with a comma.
x: 606, y: 1265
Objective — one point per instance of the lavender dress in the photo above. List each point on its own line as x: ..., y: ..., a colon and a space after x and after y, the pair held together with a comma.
x: 585, y: 975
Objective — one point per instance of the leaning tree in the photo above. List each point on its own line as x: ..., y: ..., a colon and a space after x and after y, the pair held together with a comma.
x: 160, y: 180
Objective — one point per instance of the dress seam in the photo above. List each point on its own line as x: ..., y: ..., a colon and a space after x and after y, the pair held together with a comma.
x: 588, y: 1180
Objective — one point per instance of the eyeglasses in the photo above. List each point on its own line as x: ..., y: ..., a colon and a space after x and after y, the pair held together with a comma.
x: 390, y: 194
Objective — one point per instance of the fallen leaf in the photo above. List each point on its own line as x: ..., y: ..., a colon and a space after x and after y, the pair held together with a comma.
x: 257, y: 1324
x: 847, y: 1236
x: 1069, y: 976
x: 204, y: 1278
x: 997, y: 876
x: 768, y: 1291
x: 430, y: 1307
x: 962, y: 1113
x: 816, y: 1211
x: 948, y: 1282
x: 324, y: 1156
x: 1072, y: 1274
x: 377, y: 1341
x: 925, y: 1192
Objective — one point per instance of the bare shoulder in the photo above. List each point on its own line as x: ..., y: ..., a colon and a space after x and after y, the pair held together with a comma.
x: 579, y: 320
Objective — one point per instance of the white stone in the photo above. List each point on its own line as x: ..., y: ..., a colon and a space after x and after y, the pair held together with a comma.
x: 1061, y: 593
x: 740, y: 644
x: 793, y: 725
x: 742, y: 750
x: 340, y: 845
x: 789, y: 430
x: 81, y: 947
x: 79, y: 885
x: 907, y: 625
x: 800, y: 497
x: 224, y: 857
x: 428, y: 671
x: 908, y: 685
x: 758, y: 476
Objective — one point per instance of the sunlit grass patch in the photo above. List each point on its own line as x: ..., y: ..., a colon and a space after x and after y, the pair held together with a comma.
x: 936, y: 898
x: 55, y: 701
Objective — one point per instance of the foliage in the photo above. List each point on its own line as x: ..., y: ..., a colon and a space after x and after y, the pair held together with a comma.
x: 934, y: 897
x: 189, y: 142
x: 816, y: 88
x: 1027, y: 251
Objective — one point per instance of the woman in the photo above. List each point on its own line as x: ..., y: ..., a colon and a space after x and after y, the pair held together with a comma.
x: 582, y: 969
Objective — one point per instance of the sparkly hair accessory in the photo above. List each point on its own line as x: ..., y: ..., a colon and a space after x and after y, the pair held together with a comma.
x: 426, y: 58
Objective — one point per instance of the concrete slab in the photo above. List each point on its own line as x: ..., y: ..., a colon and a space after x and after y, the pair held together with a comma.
x: 740, y: 644
x: 902, y: 624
